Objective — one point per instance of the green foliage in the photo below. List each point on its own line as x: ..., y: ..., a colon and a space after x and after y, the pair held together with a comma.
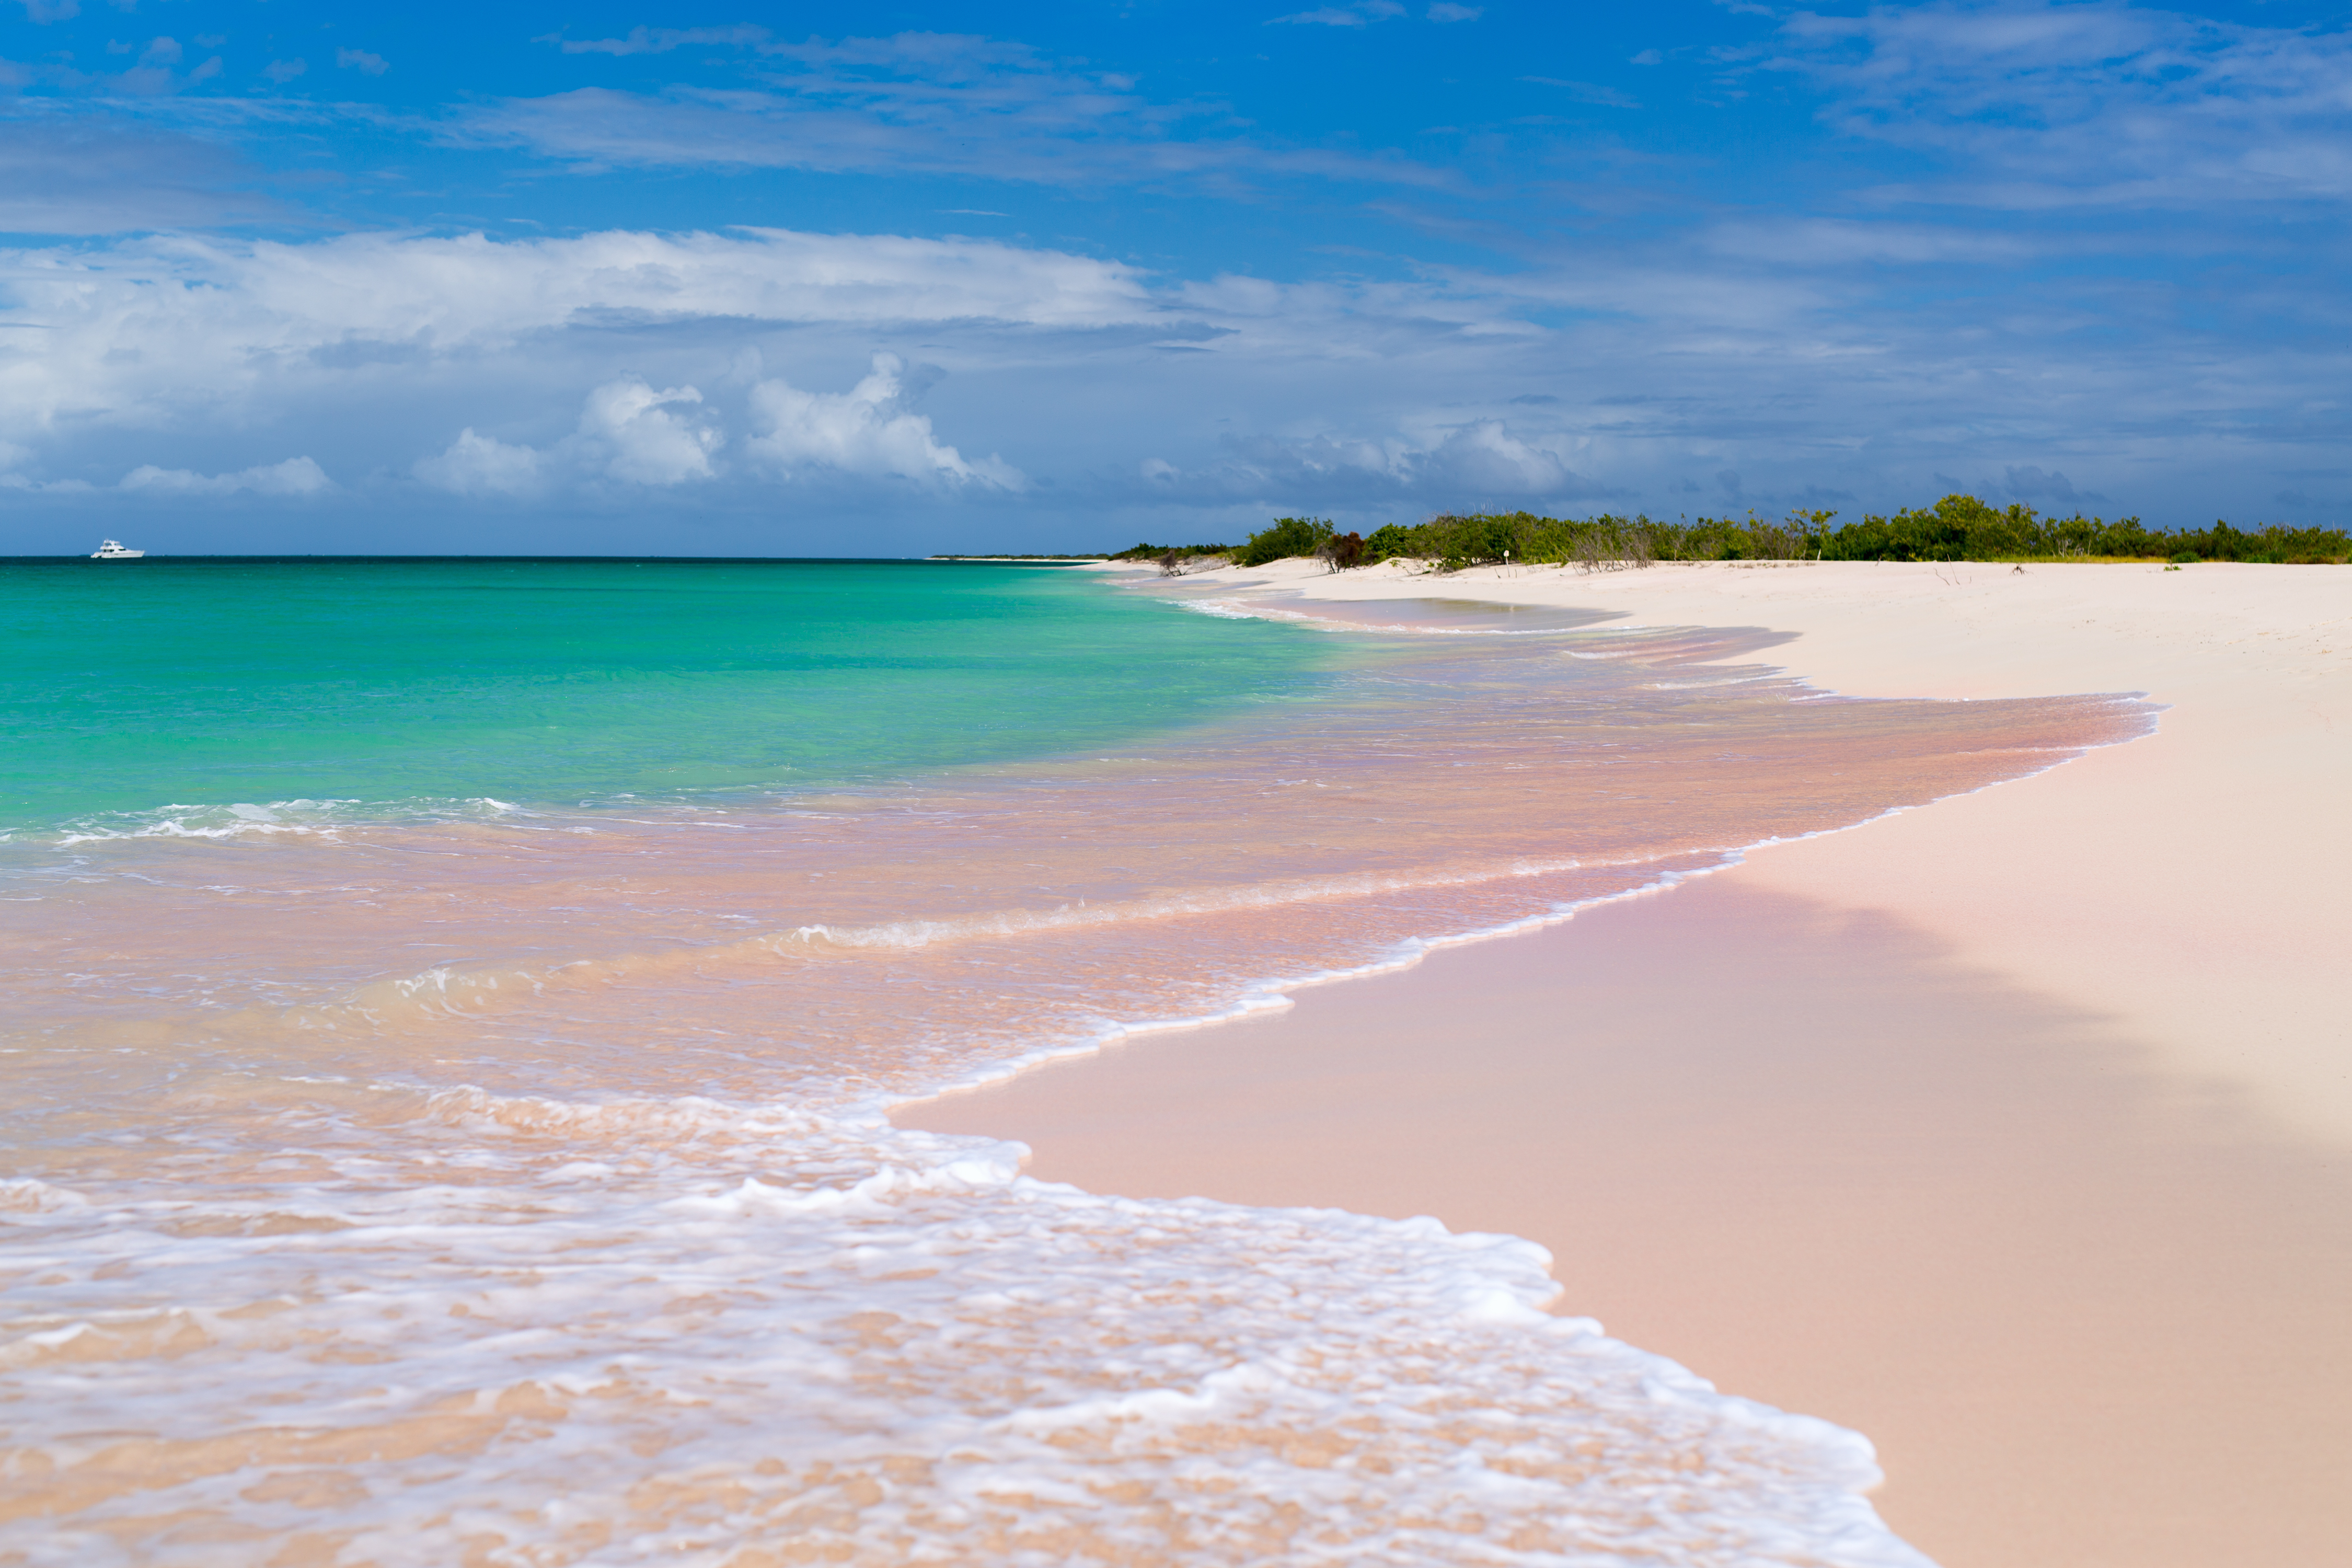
x: 1957, y: 528
x: 1155, y: 551
x: 1963, y: 528
x: 1289, y: 536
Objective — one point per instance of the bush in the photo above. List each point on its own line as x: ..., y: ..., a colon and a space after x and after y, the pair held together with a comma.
x: 1957, y: 528
x: 1289, y: 537
x: 1341, y: 552
x: 1158, y: 551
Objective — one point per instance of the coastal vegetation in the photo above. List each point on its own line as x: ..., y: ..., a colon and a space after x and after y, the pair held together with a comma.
x: 1957, y: 528
x: 1161, y: 551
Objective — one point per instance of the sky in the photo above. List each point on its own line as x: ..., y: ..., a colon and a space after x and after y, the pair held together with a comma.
x: 891, y: 278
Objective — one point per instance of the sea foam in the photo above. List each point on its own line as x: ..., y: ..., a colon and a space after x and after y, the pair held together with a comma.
x: 479, y: 1189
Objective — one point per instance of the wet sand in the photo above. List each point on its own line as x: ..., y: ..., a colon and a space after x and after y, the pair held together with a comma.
x: 2091, y: 1314
x: 2014, y: 1131
x: 2195, y: 885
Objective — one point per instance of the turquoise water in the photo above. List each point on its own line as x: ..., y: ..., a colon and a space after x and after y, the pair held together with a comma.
x: 129, y: 686
x: 445, y: 1182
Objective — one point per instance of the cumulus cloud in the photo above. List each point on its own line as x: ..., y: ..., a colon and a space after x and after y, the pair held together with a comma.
x: 635, y: 371
x: 478, y: 464
x: 1429, y: 465
x: 631, y: 433
x: 151, y: 333
x: 638, y: 352
x: 870, y: 429
x: 628, y: 433
x: 2028, y: 482
x: 1486, y: 457
x: 363, y: 61
x: 294, y: 477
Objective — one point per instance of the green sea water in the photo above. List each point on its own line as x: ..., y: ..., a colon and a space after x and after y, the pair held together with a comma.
x: 131, y: 687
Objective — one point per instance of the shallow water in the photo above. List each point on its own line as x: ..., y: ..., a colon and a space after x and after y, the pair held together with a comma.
x: 400, y: 1181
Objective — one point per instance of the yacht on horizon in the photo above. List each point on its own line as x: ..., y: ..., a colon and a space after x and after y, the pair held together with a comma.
x: 111, y: 550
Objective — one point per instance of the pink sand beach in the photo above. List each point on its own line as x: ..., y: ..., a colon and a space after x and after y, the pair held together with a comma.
x: 2013, y: 1131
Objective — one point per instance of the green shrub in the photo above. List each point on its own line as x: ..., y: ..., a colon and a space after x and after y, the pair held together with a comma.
x: 1957, y: 528
x: 1289, y: 537
x: 1155, y: 551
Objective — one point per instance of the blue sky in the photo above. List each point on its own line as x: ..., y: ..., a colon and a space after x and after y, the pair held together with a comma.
x: 892, y: 279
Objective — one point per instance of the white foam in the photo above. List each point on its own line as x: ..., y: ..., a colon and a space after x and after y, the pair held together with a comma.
x: 864, y: 1345
x: 711, y: 1301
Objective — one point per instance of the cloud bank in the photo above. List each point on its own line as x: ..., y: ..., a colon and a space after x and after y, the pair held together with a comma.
x: 847, y: 372
x: 2056, y: 253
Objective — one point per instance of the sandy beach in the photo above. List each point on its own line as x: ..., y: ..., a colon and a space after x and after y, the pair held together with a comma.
x: 2011, y: 1131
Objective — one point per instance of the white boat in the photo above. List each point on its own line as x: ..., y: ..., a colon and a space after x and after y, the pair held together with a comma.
x: 111, y: 550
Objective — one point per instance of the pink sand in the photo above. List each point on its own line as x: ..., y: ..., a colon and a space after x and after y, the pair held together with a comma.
x: 2011, y: 1132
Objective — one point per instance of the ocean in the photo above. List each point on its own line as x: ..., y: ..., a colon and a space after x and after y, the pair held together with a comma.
x: 454, y: 1007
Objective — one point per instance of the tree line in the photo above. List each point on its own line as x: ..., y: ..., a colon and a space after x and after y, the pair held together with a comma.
x: 1957, y: 528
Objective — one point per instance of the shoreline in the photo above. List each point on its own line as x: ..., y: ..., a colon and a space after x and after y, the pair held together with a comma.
x: 2234, y: 792
x: 2154, y: 940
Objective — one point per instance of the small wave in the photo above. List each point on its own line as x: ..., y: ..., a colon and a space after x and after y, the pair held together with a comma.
x: 316, y: 819
x: 1289, y: 613
x: 449, y: 991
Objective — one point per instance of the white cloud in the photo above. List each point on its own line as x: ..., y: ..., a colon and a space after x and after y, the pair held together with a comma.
x: 1362, y: 14
x: 638, y: 374
x: 869, y: 430
x: 68, y: 175
x: 2055, y: 105
x: 294, y: 477
x: 1486, y: 457
x: 363, y: 61
x: 155, y: 334
x: 918, y: 103
x: 283, y: 71
x: 661, y: 40
x: 478, y: 464
x: 631, y: 433
x: 1428, y: 461
x: 627, y: 432
x: 1445, y: 11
